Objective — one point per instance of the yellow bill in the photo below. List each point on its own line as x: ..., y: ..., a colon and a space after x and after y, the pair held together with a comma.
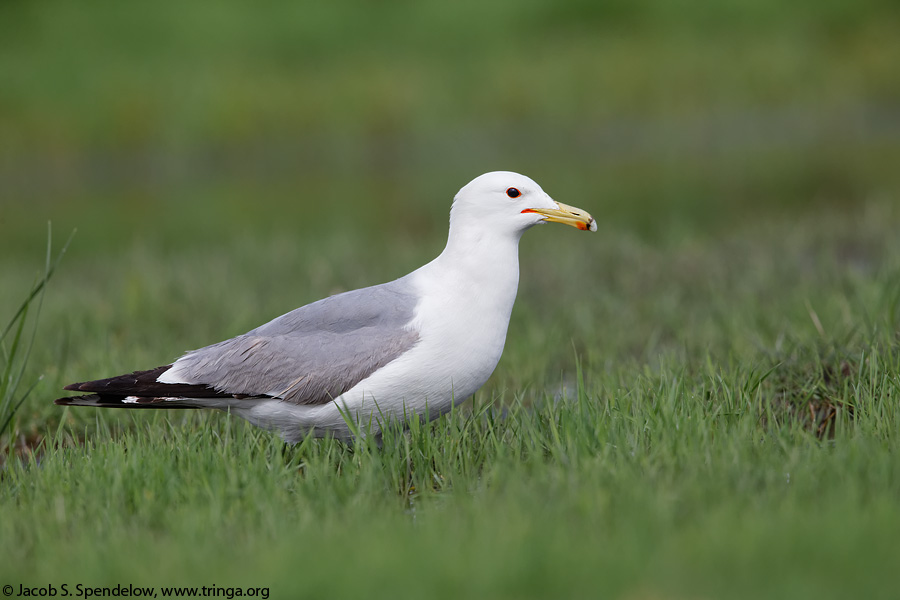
x: 568, y: 215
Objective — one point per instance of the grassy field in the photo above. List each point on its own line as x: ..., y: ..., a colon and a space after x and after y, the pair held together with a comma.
x: 700, y: 400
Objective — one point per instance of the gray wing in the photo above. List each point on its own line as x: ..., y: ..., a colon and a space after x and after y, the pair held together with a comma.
x: 314, y: 353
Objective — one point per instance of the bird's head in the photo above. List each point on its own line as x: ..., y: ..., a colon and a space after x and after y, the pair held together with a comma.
x: 507, y: 202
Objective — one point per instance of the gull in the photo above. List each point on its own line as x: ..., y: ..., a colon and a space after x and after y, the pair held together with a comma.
x: 417, y: 345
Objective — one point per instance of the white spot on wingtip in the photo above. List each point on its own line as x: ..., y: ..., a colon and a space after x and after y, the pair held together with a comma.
x: 130, y: 400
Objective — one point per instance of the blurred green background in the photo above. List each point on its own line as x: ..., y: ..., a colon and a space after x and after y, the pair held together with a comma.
x: 179, y: 123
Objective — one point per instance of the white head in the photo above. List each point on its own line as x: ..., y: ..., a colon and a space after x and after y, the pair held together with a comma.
x: 507, y: 203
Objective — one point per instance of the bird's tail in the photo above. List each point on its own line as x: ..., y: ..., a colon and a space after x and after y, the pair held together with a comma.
x: 114, y: 401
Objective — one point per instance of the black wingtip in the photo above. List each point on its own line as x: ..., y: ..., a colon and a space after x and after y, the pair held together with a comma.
x: 130, y: 383
x: 139, y: 384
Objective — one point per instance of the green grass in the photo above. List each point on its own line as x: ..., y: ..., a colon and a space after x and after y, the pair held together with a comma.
x: 20, y: 332
x: 700, y: 400
x: 717, y: 441
x: 659, y: 484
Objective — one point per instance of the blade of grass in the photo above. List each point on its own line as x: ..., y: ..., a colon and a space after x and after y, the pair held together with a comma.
x: 49, y: 269
x: 16, y: 358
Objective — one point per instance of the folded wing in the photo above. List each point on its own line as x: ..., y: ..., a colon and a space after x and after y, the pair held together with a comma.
x: 308, y: 356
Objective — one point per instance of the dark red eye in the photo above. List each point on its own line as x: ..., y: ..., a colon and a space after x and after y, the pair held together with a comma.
x: 513, y: 193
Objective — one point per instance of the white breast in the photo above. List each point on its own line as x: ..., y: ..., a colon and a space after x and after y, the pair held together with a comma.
x: 462, y: 319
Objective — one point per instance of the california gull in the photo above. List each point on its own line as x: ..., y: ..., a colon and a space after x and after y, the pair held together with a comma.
x: 415, y: 345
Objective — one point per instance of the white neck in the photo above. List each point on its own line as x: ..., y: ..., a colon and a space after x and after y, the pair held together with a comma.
x: 483, y: 264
